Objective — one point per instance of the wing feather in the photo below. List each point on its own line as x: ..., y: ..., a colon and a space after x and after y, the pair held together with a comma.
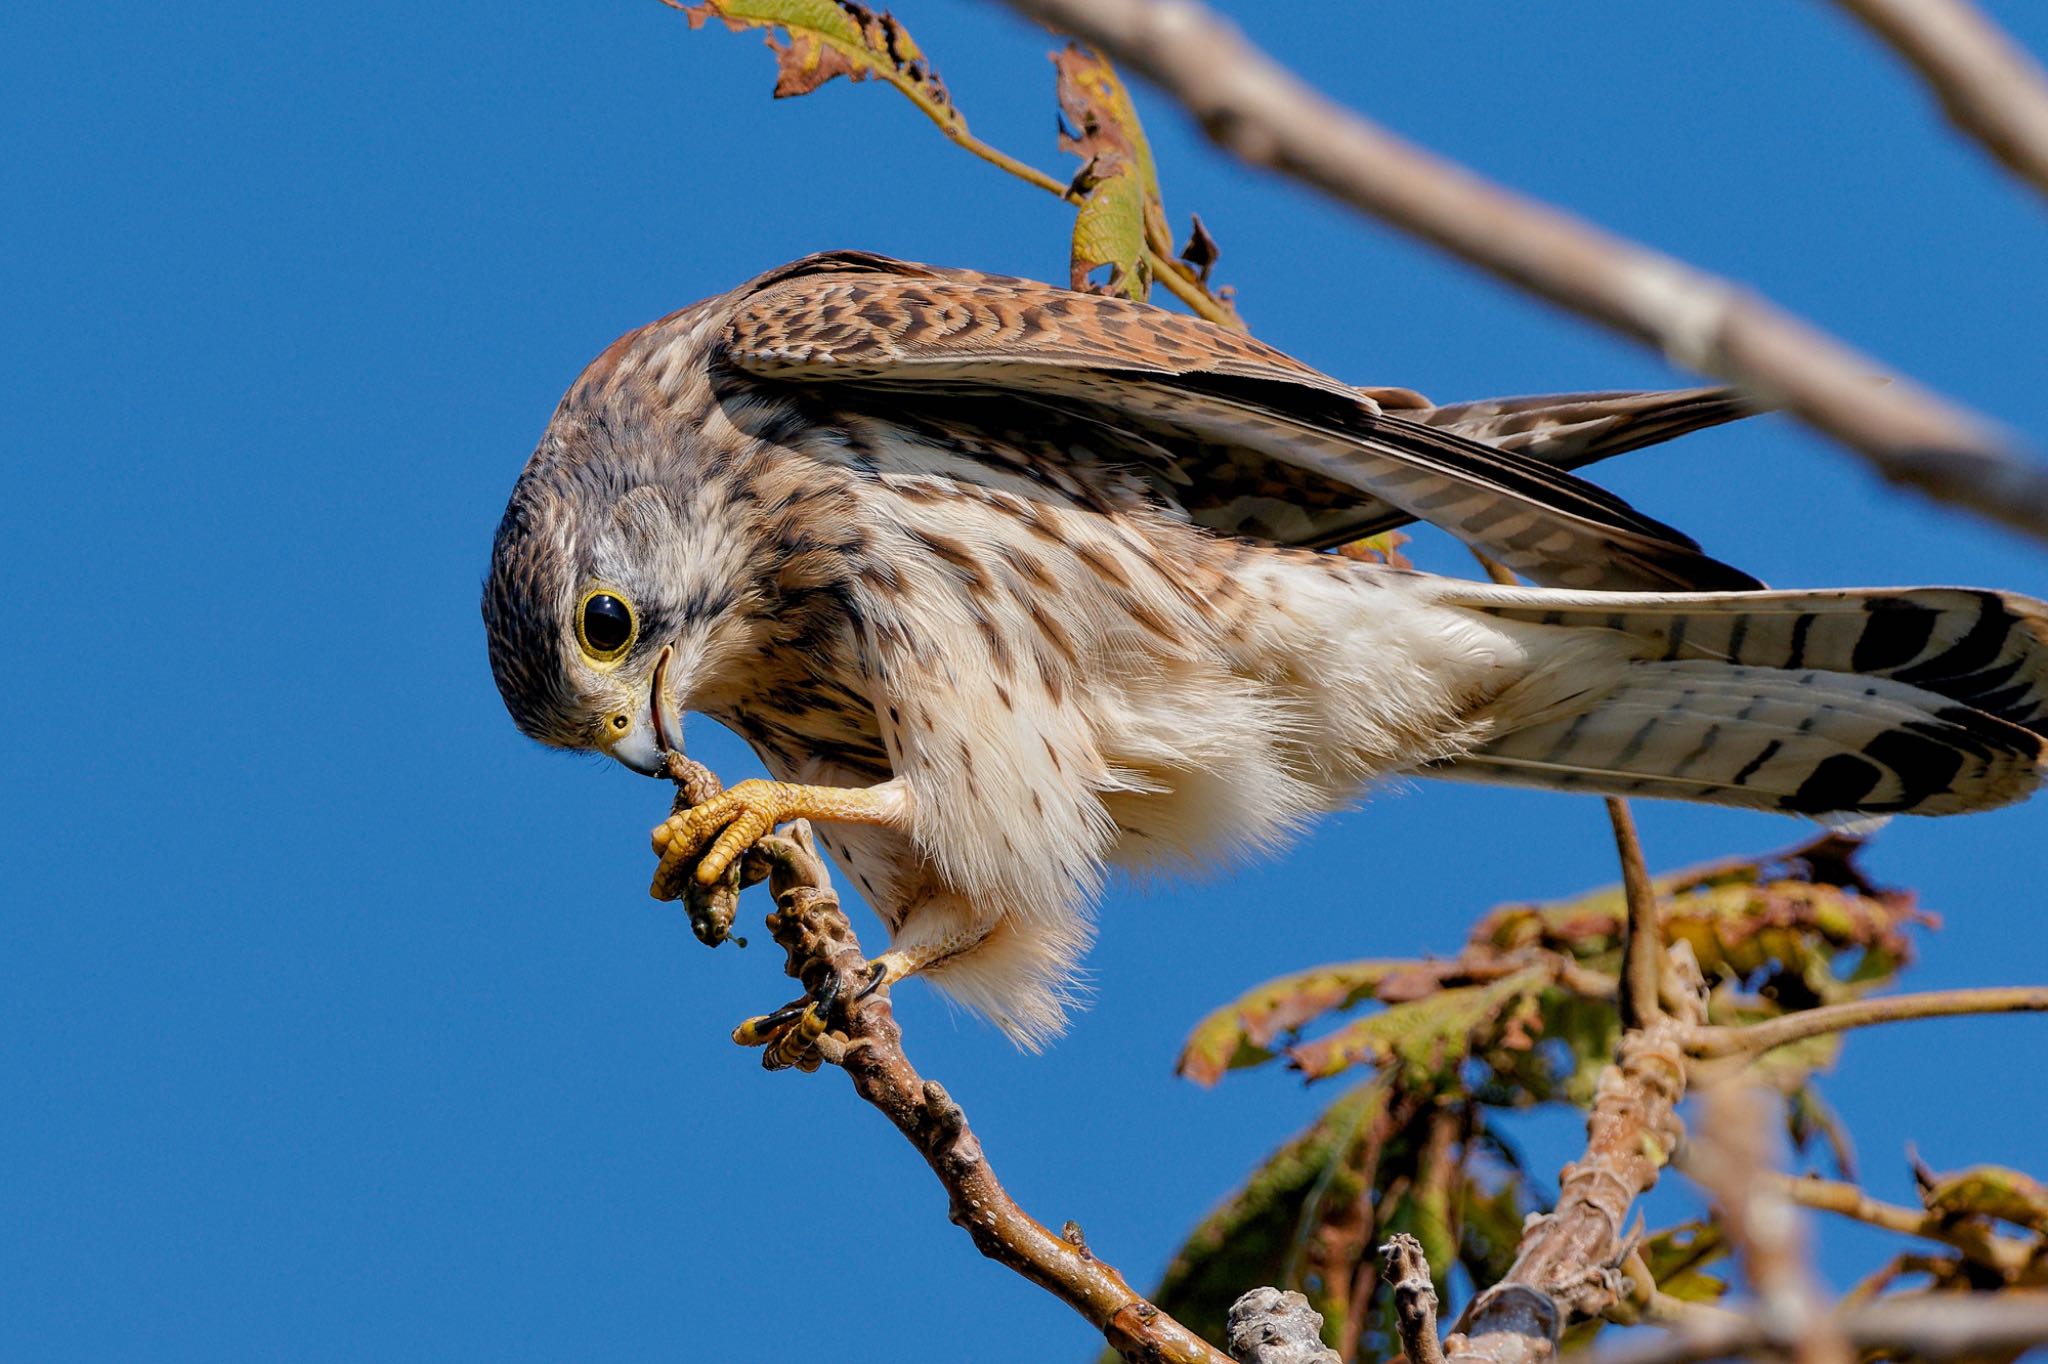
x: 865, y: 320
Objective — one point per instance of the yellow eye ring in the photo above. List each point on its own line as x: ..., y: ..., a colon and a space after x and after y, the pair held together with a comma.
x: 605, y: 625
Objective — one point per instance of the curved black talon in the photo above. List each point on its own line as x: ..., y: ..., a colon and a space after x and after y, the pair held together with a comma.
x: 826, y: 997
x: 880, y: 974
x: 773, y: 1022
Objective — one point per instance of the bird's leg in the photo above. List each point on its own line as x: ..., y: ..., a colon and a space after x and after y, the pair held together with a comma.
x: 717, y: 832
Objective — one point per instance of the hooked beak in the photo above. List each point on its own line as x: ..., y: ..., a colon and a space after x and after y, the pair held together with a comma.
x: 646, y: 744
x: 657, y: 704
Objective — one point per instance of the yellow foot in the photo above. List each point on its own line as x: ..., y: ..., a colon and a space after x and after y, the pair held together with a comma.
x: 795, y: 1034
x: 736, y: 819
x: 791, y: 1035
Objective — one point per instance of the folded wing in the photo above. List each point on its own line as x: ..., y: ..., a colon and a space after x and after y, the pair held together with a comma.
x: 1252, y: 432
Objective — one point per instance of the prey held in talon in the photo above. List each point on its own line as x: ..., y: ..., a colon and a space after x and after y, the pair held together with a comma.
x: 1010, y: 586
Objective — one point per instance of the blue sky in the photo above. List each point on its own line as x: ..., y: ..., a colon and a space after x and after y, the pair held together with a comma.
x: 335, y: 1022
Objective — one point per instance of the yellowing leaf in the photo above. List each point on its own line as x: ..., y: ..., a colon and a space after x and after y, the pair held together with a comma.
x: 1990, y: 1191
x: 827, y: 38
x: 1117, y: 185
x: 1240, y: 1033
x: 1384, y: 548
x: 1428, y: 1037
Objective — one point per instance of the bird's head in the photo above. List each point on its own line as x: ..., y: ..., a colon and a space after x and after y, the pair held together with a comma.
x: 609, y: 607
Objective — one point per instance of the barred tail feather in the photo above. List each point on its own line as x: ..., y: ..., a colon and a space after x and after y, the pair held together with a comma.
x: 1919, y: 701
x: 1807, y: 743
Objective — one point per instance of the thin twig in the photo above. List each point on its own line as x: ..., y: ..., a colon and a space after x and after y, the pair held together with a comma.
x: 1756, y: 1038
x: 868, y: 1046
x: 1267, y: 116
x: 1642, y: 950
x: 1407, y: 1273
x: 1647, y: 1303
x: 1925, y: 1326
x: 2007, y: 1255
x: 1988, y: 85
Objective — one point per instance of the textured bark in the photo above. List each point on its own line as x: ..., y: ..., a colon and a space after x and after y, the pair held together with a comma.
x: 1271, y: 1327
x: 1407, y: 1273
x: 1570, y: 1261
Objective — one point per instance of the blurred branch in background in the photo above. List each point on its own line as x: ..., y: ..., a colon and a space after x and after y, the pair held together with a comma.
x: 1265, y: 115
x: 1988, y: 85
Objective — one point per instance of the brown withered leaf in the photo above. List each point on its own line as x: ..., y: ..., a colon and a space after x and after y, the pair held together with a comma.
x: 1241, y: 1033
x: 803, y: 64
x: 1201, y: 253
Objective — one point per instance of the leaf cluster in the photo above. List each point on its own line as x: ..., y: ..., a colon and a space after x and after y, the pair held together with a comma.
x: 1525, y: 1015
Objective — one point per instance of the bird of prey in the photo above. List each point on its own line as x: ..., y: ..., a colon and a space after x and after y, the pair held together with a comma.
x: 1008, y: 584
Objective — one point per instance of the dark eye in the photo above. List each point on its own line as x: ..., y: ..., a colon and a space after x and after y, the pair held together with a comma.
x: 605, y: 626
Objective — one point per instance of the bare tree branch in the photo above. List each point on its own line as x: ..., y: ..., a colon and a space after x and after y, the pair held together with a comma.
x: 2008, y: 1255
x: 1755, y: 1038
x: 1642, y: 953
x: 1569, y: 1261
x: 866, y: 1044
x: 1988, y: 85
x: 1264, y: 114
x: 1949, y: 1326
x: 1407, y: 1272
x: 1732, y: 1152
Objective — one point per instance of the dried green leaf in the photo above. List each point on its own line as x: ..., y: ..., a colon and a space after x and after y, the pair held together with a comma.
x: 1241, y: 1033
x: 1808, y: 913
x: 1109, y: 230
x: 1429, y: 1037
x: 1677, y: 1257
x: 1990, y: 1191
x: 1118, y: 183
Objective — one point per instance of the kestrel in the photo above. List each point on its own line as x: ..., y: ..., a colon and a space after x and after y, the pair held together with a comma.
x: 1008, y: 585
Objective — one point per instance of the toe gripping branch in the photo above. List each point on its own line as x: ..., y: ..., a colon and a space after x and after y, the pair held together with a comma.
x: 845, y: 1019
x: 824, y: 955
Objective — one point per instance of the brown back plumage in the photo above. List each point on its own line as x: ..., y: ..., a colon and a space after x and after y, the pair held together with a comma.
x: 1249, y: 431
